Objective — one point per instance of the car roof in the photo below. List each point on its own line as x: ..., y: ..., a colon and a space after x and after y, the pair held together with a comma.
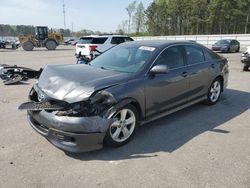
x: 101, y: 36
x: 228, y: 39
x: 158, y: 43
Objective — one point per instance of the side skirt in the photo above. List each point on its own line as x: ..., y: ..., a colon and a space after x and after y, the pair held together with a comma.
x: 173, y: 110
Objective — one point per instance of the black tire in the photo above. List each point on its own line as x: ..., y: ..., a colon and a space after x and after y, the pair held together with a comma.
x: 245, y: 67
x: 229, y: 50
x: 28, y: 46
x: 238, y: 49
x: 210, y: 100
x: 109, y: 140
x: 51, y: 44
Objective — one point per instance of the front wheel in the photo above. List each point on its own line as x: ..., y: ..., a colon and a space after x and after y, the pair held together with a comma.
x: 28, y: 46
x: 123, y: 129
x: 214, y: 92
x: 51, y: 45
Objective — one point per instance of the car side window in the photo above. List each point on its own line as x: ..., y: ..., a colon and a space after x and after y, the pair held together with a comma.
x: 210, y: 55
x: 194, y: 55
x: 235, y: 42
x: 100, y: 40
x: 172, y: 57
x: 117, y: 40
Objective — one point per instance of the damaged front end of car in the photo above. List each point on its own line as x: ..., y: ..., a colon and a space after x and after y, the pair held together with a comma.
x: 73, y: 127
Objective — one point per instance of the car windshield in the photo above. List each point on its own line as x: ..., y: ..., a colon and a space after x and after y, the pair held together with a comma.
x: 124, y: 59
x: 223, y: 42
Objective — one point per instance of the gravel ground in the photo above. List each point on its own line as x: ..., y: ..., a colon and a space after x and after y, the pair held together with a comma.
x: 199, y: 146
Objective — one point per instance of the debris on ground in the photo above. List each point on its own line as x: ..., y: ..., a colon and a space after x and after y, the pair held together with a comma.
x: 13, y: 74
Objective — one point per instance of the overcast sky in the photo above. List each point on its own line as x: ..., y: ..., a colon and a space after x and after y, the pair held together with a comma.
x: 102, y: 15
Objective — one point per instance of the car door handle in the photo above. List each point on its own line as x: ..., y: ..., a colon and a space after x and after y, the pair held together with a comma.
x: 184, y: 74
x: 213, y: 66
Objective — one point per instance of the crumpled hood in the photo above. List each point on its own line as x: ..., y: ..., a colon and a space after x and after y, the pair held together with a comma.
x: 74, y: 83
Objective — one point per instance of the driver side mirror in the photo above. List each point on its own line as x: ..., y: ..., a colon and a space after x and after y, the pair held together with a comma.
x: 159, y: 69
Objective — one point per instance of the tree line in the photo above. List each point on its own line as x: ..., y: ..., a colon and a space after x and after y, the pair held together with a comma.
x: 15, y: 30
x: 185, y: 17
x: 169, y: 17
x: 136, y: 23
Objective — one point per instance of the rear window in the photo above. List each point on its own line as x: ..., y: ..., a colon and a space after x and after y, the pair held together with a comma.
x: 92, y: 40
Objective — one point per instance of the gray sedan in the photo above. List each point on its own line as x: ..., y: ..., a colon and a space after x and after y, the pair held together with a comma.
x: 83, y: 107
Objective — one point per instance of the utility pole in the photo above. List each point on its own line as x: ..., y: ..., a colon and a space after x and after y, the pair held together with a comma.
x: 64, y: 15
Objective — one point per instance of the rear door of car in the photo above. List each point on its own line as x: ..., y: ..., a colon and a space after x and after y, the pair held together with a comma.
x: 232, y: 45
x: 236, y: 45
x: 201, y: 71
x: 166, y: 91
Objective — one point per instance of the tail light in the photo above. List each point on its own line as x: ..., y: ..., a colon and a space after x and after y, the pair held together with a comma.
x: 92, y: 48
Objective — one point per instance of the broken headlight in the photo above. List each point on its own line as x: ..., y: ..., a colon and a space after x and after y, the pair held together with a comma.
x: 96, y: 105
x: 79, y: 109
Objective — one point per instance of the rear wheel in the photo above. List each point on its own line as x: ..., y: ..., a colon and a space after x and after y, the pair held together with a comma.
x: 238, y: 49
x: 214, y: 92
x: 28, y: 46
x: 51, y: 45
x: 123, y: 129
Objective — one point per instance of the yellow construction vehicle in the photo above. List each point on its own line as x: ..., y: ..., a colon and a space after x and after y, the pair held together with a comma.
x: 43, y: 38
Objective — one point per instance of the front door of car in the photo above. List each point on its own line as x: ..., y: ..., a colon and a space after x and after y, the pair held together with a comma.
x: 167, y: 90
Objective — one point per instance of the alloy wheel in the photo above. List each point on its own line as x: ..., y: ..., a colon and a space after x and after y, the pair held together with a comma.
x: 215, y: 91
x: 124, y: 126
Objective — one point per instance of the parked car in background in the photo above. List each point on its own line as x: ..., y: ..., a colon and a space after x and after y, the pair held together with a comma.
x: 88, y: 45
x: 2, y: 44
x: 69, y: 42
x: 80, y: 107
x: 226, y: 45
x: 245, y: 59
x: 15, y: 44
